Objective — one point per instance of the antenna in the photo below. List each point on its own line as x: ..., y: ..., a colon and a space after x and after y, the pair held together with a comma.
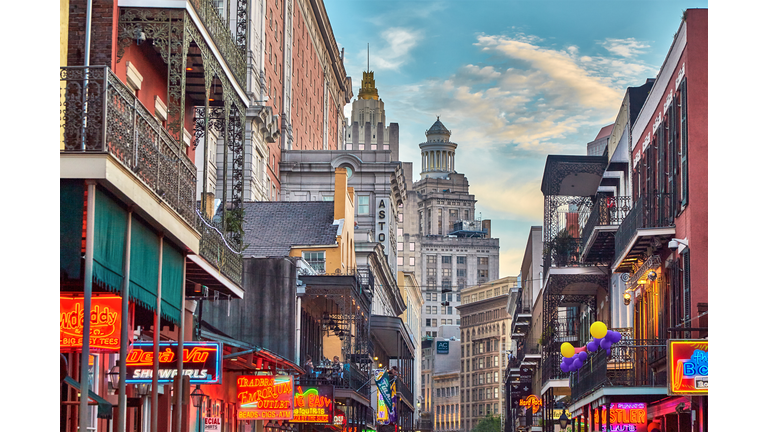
x: 369, y: 57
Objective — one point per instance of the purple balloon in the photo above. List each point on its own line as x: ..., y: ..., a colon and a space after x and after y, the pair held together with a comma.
x: 568, y: 360
x: 582, y: 356
x: 616, y: 336
x: 608, y: 351
x: 565, y: 368
x: 605, y: 344
x: 593, y: 346
x: 577, y: 364
x: 597, y: 340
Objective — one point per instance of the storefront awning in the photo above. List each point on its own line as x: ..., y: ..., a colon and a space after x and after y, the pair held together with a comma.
x: 104, y: 410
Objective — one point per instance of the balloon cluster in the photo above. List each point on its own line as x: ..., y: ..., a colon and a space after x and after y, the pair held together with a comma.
x: 574, y: 358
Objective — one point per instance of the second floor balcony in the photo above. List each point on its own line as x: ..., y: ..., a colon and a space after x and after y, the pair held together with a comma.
x: 99, y: 115
x: 632, y: 363
x: 650, y: 223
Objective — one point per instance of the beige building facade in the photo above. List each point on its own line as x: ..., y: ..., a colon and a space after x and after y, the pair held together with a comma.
x: 485, y: 341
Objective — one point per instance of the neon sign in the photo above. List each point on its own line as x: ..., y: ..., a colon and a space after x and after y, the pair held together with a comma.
x: 313, y: 404
x: 105, y: 323
x: 688, y: 365
x: 531, y: 402
x: 624, y: 416
x: 201, y: 362
x: 265, y: 397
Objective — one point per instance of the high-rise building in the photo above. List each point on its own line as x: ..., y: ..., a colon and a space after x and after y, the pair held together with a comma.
x: 484, y: 344
x: 439, y: 236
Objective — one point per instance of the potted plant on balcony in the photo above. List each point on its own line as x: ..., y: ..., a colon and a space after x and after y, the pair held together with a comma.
x: 562, y: 248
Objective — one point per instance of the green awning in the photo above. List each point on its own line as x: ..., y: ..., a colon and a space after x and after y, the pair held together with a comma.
x: 110, y: 219
x: 71, y: 198
x: 104, y: 410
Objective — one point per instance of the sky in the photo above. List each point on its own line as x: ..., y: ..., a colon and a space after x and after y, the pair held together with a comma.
x: 513, y: 80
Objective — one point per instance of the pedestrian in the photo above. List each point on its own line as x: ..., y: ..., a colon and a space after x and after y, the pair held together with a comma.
x: 309, y: 366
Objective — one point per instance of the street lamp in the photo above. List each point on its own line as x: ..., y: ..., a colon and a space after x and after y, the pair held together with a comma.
x: 197, y: 400
x: 114, y: 377
x: 563, y: 420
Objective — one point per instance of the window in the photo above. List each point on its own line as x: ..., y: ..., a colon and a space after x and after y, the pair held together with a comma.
x: 399, y: 216
x: 446, y: 271
x: 316, y: 260
x: 431, y: 259
x: 496, y: 360
x: 482, y: 274
x: 363, y: 204
x: 482, y: 260
x: 495, y: 377
x: 461, y: 260
x: 461, y: 272
x: 412, y: 246
x: 450, y: 310
x: 446, y: 259
x: 684, y: 142
x: 399, y: 260
x: 400, y: 247
x: 431, y: 272
x: 458, y: 321
x: 412, y: 260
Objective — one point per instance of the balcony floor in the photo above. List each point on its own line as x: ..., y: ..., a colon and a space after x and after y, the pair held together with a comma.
x: 637, y: 247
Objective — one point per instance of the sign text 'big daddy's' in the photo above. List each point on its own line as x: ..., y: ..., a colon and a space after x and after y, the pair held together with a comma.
x: 105, y: 323
x: 265, y: 397
x: 201, y: 362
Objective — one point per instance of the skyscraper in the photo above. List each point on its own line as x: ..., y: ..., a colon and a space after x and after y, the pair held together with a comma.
x: 439, y: 236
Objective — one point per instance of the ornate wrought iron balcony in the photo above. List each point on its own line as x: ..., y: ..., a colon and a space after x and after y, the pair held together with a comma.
x: 351, y: 378
x: 98, y: 114
x: 607, y: 211
x: 628, y: 366
x: 653, y: 210
x: 218, y: 248
x: 231, y: 47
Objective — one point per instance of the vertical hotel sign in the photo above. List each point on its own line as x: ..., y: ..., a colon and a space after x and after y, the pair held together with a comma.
x: 265, y: 397
x: 105, y: 322
x: 688, y: 366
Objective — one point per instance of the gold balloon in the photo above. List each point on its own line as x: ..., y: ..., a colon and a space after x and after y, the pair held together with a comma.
x: 567, y: 350
x: 598, y: 330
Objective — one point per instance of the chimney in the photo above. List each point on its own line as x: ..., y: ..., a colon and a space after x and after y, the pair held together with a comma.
x: 339, y: 193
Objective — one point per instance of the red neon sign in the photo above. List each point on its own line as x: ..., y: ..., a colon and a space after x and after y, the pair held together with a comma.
x: 201, y: 361
x: 531, y: 402
x: 105, y: 323
x: 265, y: 397
x: 688, y: 367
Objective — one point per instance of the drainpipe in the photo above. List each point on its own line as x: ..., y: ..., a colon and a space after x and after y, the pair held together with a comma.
x: 87, y: 290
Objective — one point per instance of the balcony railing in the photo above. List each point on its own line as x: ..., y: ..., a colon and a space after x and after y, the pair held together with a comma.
x: 98, y: 114
x: 223, y: 38
x: 531, y: 345
x: 650, y: 211
x: 628, y: 366
x: 352, y: 378
x: 218, y: 248
x: 606, y: 211
x: 405, y: 390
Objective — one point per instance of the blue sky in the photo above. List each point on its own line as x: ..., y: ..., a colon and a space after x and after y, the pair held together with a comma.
x: 513, y: 80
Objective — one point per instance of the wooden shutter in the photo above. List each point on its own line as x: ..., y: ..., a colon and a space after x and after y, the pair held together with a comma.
x: 684, y: 142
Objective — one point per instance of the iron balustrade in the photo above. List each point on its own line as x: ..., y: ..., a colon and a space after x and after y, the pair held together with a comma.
x: 607, y: 210
x: 550, y: 367
x: 655, y: 210
x: 219, y: 248
x: 351, y: 378
x: 405, y: 390
x: 99, y: 114
x: 225, y: 41
x: 629, y: 365
x: 531, y: 345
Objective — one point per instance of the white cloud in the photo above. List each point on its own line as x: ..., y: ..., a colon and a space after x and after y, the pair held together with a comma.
x: 398, y: 43
x: 625, y: 47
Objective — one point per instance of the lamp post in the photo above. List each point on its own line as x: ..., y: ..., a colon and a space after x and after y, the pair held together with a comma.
x: 197, y: 400
x: 563, y: 420
x: 114, y: 377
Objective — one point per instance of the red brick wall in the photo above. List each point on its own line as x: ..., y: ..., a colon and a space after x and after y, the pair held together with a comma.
x: 307, y: 115
x: 274, y: 69
x: 103, y: 32
x: 697, y: 223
